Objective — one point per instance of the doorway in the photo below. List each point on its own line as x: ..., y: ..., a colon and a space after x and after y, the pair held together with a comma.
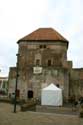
x: 18, y: 93
x: 30, y: 94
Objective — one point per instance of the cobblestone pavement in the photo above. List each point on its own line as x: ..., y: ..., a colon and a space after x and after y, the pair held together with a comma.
x: 7, y: 117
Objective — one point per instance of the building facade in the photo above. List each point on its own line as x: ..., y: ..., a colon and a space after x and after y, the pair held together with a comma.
x: 42, y: 59
x: 3, y: 85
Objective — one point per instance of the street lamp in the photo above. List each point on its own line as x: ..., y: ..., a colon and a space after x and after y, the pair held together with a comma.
x: 15, y: 99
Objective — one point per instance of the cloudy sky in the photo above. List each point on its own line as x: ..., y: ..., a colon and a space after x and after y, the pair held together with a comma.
x: 20, y: 17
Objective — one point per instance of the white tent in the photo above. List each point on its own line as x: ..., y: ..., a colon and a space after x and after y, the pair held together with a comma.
x: 51, y: 95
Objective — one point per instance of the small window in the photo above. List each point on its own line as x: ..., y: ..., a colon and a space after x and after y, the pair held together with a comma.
x: 49, y: 62
x: 37, y: 62
x: 40, y: 46
x: 44, y: 46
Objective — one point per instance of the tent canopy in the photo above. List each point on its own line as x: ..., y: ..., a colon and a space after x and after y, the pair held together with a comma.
x: 51, y: 95
x: 51, y: 87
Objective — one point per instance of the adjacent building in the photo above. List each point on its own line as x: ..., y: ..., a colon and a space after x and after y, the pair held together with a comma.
x: 3, y: 85
x: 41, y: 60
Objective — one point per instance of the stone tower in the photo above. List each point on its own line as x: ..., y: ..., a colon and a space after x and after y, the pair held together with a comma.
x: 43, y: 60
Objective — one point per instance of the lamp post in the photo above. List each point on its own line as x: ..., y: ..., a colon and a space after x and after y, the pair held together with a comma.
x: 15, y: 98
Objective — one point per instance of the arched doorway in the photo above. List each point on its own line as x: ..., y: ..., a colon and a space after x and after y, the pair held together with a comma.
x: 30, y: 94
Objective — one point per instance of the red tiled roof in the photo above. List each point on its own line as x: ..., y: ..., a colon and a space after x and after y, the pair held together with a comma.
x: 44, y: 34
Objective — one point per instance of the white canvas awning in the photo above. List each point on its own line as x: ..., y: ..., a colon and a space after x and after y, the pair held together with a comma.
x: 51, y: 95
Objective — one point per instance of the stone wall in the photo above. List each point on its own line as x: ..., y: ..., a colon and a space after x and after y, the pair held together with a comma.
x: 12, y: 80
x: 76, y: 83
x: 51, y: 57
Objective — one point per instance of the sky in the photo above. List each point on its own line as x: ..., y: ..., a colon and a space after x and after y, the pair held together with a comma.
x: 20, y: 17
